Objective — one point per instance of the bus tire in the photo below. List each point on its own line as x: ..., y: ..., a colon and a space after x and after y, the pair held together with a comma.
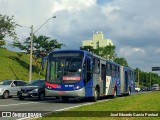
x: 96, y: 95
x: 129, y: 92
x: 65, y: 99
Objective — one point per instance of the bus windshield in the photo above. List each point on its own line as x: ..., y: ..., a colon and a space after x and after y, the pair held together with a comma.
x: 64, y: 69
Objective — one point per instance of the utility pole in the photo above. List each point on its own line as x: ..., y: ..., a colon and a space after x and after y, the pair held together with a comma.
x: 31, y: 48
x: 150, y: 80
x: 138, y: 77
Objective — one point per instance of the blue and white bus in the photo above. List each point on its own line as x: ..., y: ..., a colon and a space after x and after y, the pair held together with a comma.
x: 78, y: 73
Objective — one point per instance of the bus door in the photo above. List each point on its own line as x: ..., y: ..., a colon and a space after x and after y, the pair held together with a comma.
x: 88, y: 73
x: 103, y: 77
x: 126, y: 81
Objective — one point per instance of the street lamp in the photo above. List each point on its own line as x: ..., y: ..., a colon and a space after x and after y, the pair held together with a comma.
x: 44, y: 23
x: 31, y: 46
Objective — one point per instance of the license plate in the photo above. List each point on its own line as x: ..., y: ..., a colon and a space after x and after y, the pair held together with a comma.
x: 61, y: 92
x: 24, y: 94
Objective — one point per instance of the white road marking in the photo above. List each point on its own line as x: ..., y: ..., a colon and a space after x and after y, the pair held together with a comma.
x: 17, y: 104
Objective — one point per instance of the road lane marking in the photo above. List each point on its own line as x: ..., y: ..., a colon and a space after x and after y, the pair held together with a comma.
x: 17, y: 104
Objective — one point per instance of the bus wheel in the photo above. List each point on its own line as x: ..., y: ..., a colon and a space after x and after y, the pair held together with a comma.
x: 129, y: 92
x: 96, y: 95
x: 65, y: 99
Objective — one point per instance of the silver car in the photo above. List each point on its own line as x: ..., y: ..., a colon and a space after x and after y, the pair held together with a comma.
x: 10, y: 87
x: 155, y: 87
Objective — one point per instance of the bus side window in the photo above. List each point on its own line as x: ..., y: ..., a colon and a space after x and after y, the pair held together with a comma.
x: 96, y: 66
x: 87, y: 70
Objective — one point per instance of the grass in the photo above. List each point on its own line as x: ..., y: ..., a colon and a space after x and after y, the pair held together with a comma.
x: 15, y: 65
x: 136, y: 103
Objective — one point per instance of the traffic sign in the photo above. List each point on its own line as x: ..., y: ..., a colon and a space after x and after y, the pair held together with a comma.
x: 155, y: 68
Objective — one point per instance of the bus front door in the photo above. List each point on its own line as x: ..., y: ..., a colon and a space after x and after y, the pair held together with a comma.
x: 88, y: 73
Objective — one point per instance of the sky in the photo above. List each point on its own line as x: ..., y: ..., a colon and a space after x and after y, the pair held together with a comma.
x: 132, y: 25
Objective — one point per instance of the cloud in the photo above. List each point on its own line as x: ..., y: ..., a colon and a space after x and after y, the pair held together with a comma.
x: 129, y: 51
x: 157, y: 51
x: 132, y: 25
x: 72, y: 5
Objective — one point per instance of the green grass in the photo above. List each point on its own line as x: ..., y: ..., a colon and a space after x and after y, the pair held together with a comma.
x: 15, y: 65
x: 140, y: 102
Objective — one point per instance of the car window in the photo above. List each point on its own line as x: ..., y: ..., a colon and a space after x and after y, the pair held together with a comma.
x: 1, y: 83
x: 36, y: 83
x: 42, y: 83
x: 21, y: 83
x: 6, y: 82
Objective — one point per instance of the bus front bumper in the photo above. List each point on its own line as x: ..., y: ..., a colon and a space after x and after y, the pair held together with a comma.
x: 74, y: 93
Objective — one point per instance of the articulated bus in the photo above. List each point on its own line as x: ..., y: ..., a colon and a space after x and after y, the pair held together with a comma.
x: 78, y: 73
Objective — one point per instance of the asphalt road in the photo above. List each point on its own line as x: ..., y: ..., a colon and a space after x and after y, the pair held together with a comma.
x: 14, y: 105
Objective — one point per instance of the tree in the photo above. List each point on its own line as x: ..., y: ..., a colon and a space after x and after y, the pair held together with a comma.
x: 42, y: 45
x: 107, y: 52
x: 146, y: 79
x: 7, y: 27
x: 2, y: 42
x: 121, y: 61
x: 87, y: 48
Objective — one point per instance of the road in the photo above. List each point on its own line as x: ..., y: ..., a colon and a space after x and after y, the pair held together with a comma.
x: 33, y: 105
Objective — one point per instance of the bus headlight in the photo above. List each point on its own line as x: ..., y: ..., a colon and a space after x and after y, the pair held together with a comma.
x: 76, y: 88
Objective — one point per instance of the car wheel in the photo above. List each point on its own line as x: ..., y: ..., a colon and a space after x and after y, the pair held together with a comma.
x: 21, y: 98
x: 5, y: 94
x: 41, y: 96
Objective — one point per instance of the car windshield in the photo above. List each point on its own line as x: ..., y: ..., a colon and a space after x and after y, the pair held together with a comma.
x: 36, y: 83
x: 6, y: 82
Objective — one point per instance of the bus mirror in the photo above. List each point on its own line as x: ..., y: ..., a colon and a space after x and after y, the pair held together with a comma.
x: 43, y: 61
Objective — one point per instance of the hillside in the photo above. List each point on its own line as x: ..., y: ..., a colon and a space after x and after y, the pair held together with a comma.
x: 15, y: 65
